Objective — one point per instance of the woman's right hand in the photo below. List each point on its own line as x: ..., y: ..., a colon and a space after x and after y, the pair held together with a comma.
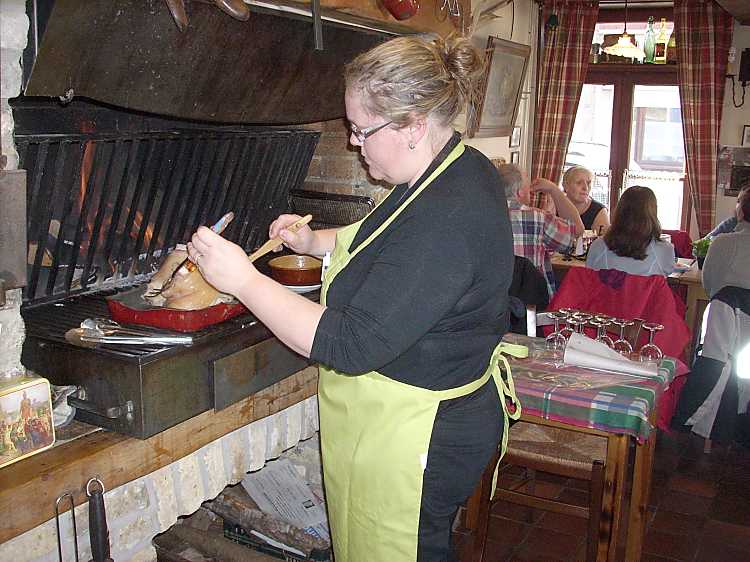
x: 300, y: 242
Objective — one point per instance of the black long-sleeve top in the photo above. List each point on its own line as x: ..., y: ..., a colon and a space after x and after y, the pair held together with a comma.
x: 426, y: 302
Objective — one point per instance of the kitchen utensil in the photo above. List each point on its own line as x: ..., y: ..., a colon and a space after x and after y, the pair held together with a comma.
x: 106, y: 326
x: 89, y: 338
x: 218, y: 228
x: 129, y: 307
x: 275, y: 242
x: 62, y: 497
x: 403, y: 9
x: 296, y: 270
x: 98, y: 530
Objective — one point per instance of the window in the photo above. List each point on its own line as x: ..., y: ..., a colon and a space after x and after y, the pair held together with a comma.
x: 628, y: 128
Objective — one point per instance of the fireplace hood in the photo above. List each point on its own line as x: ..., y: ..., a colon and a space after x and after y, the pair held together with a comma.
x: 131, y: 54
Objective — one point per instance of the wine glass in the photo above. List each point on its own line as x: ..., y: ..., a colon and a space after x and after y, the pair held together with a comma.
x: 600, y: 322
x: 622, y: 345
x: 650, y: 351
x: 577, y: 324
x: 556, y: 340
x: 566, y: 316
x: 582, y: 318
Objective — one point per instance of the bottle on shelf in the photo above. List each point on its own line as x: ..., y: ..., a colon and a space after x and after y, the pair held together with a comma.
x: 649, y: 43
x: 672, y: 50
x: 660, y: 47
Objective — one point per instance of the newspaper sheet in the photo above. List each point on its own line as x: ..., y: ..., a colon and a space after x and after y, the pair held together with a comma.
x: 280, y: 491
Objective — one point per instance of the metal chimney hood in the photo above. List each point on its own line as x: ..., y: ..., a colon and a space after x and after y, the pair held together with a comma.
x: 263, y: 71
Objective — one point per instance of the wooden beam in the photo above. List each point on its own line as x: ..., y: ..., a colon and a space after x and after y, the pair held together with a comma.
x: 739, y: 9
x: 29, y: 488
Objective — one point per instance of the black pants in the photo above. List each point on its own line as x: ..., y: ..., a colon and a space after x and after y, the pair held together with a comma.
x: 465, y: 436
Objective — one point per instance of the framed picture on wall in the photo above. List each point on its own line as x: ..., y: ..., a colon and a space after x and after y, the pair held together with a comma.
x: 745, y: 135
x: 494, y: 113
x: 515, y: 138
x: 515, y: 157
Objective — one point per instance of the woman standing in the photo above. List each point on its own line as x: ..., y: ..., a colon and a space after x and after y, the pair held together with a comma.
x: 413, y: 308
x: 576, y: 183
x: 633, y: 243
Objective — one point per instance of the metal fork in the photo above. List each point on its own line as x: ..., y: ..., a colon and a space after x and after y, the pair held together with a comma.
x: 218, y: 228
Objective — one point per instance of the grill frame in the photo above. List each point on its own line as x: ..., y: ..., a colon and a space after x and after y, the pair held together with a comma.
x: 143, y: 390
x: 95, y: 198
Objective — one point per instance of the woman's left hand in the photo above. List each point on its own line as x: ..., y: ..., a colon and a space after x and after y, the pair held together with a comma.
x: 223, y: 263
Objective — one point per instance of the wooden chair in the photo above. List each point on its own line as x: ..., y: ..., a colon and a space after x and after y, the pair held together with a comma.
x: 551, y: 449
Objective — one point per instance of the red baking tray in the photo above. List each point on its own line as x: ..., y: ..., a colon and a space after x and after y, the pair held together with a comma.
x: 129, y: 307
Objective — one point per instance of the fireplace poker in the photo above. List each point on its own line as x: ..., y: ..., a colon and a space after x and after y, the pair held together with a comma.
x: 98, y: 531
x: 60, y: 499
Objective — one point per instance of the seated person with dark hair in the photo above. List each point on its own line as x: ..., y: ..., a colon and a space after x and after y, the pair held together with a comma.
x: 632, y: 244
x: 537, y: 233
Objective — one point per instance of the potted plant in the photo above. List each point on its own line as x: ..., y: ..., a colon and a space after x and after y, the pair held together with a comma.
x: 700, y: 249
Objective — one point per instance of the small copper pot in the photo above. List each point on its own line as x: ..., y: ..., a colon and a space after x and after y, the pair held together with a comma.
x: 401, y: 9
x: 296, y: 270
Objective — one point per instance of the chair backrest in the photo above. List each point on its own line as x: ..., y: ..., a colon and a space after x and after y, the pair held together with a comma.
x: 712, y: 397
x: 619, y: 294
x: 529, y: 286
x: 726, y: 323
x: 683, y: 244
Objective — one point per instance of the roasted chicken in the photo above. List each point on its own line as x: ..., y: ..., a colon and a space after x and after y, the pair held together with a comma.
x: 188, y: 291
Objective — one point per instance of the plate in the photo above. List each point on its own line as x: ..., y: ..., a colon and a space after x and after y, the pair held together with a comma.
x: 303, y: 288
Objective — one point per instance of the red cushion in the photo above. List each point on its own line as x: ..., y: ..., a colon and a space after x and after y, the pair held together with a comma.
x: 683, y: 244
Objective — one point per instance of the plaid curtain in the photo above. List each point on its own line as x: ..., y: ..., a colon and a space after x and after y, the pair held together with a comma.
x: 562, y: 73
x: 703, y: 33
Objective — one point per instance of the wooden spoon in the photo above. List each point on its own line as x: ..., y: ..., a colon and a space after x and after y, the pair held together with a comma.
x: 274, y: 242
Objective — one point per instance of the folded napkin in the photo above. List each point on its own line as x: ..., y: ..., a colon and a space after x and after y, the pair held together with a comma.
x: 582, y: 351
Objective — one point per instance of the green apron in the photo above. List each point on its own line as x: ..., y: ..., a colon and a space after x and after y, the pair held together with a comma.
x: 375, y: 434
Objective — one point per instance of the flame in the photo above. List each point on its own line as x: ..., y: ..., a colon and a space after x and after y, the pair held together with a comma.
x: 87, y: 163
x: 137, y: 221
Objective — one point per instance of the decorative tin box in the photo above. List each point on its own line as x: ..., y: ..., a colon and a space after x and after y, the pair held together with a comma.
x: 26, y: 425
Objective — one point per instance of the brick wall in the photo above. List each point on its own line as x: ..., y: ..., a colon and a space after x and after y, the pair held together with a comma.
x: 147, y: 506
x: 14, y: 27
x: 337, y: 167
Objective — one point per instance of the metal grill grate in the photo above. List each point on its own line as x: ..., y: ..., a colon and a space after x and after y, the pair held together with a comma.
x: 103, y: 208
x: 330, y: 209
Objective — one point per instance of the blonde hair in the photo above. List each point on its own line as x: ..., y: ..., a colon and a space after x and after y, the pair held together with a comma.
x: 572, y: 170
x: 413, y: 76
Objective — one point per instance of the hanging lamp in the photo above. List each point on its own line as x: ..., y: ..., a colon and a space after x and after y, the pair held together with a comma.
x: 624, y: 46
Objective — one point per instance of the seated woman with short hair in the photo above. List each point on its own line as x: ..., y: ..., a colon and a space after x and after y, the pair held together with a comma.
x: 632, y: 244
x: 576, y: 183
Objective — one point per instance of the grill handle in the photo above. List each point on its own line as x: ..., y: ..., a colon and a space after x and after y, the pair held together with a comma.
x: 112, y: 412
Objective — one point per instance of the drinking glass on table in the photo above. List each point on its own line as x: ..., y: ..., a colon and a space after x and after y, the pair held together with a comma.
x: 582, y: 318
x: 600, y: 322
x: 556, y: 340
x: 621, y: 345
x: 650, y: 351
x: 566, y: 315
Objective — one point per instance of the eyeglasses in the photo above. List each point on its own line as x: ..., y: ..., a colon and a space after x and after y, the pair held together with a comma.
x: 362, y: 134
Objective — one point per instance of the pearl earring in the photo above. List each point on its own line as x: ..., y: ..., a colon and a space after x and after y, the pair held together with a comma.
x: 411, y: 146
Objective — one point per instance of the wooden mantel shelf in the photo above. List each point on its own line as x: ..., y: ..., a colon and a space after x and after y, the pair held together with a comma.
x: 29, y: 488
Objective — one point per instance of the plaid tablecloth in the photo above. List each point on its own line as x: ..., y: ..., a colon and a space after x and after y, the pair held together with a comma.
x: 612, y: 402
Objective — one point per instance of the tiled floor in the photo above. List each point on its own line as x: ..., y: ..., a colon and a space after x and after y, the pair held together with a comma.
x: 699, y: 511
